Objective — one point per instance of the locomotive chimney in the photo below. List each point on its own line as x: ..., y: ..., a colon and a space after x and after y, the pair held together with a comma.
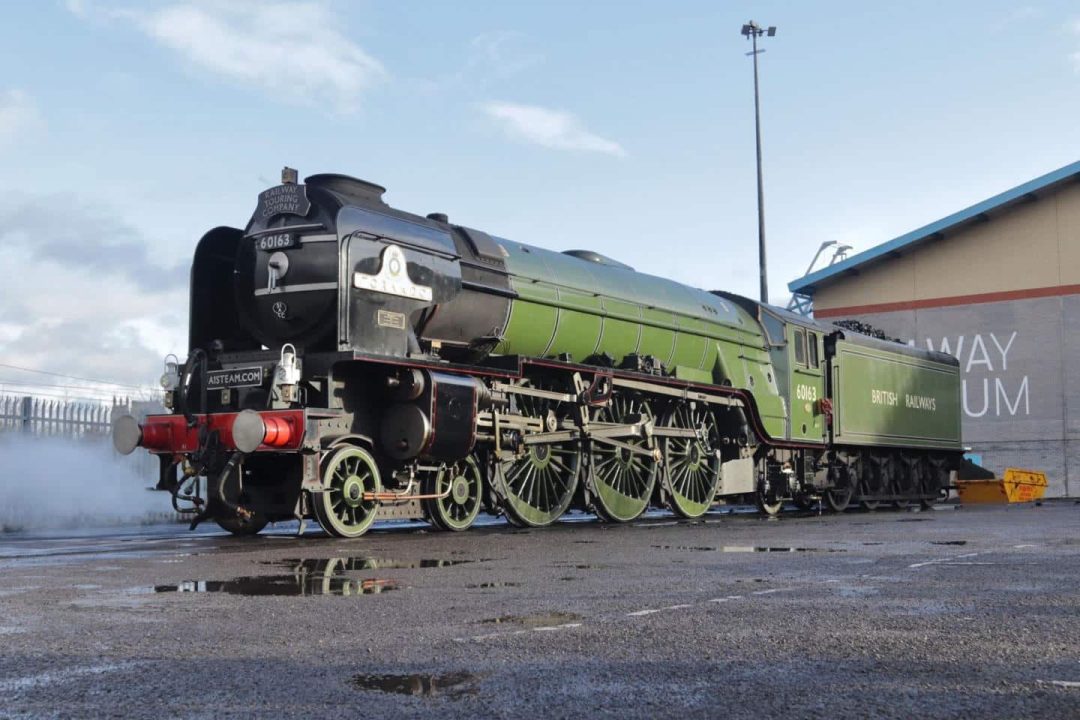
x: 289, y: 175
x: 439, y: 217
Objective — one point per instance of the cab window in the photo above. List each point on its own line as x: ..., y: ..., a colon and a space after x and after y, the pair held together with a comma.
x: 811, y: 339
x: 800, y: 347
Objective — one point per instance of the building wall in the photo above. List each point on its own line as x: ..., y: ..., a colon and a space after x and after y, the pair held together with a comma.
x: 1032, y: 245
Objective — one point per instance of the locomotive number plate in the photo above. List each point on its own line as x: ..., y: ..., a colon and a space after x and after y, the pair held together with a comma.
x: 277, y: 241
x: 234, y: 378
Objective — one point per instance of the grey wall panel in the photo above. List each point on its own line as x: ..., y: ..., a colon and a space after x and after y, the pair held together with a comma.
x: 1070, y: 313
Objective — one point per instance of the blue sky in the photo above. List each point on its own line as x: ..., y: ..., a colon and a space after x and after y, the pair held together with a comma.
x: 128, y: 129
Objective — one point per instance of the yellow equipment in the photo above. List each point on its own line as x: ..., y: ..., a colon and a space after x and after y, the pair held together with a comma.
x: 1018, y: 486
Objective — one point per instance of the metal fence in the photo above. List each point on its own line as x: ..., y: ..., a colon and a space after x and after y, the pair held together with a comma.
x: 52, y: 417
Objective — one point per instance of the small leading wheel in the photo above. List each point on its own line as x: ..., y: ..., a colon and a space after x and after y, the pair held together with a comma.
x: 242, y: 525
x: 622, y: 473
x: 693, y: 468
x: 768, y: 505
x: 342, y: 511
x: 462, y: 484
x: 537, y: 485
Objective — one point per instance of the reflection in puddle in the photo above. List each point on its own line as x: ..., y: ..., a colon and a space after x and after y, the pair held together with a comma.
x: 490, y: 585
x: 285, y: 585
x: 449, y: 685
x: 535, y: 619
x: 948, y: 542
x: 325, y: 576
x: 314, y: 576
x: 746, y: 549
x: 369, y: 563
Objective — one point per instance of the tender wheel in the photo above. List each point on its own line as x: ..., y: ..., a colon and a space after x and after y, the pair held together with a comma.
x: 463, y: 485
x: 341, y: 510
x: 838, y: 498
x: 929, y: 484
x: 693, y: 468
x: 871, y: 475
x: 538, y: 485
x: 906, y: 482
x: 621, y: 478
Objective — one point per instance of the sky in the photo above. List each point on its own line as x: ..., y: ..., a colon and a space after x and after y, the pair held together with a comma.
x: 128, y: 129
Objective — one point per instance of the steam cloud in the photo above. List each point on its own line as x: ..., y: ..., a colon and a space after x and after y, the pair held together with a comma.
x: 48, y: 483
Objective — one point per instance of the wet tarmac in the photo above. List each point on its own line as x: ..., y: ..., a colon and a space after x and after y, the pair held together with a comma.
x: 889, y: 614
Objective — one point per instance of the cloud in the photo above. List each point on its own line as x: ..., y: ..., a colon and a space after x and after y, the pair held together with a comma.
x: 83, y: 295
x: 550, y: 128
x: 293, y: 50
x: 17, y: 114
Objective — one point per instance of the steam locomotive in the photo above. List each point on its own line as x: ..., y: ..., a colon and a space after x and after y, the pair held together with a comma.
x: 349, y: 362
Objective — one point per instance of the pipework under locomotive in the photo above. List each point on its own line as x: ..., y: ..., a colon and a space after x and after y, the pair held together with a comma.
x: 348, y: 361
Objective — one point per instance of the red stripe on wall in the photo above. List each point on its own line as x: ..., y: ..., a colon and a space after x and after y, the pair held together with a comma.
x: 1002, y: 296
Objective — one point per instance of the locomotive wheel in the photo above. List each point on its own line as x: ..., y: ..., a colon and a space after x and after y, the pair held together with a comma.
x: 538, y: 486
x: 348, y: 473
x: 621, y: 481
x: 465, y: 487
x: 693, y: 469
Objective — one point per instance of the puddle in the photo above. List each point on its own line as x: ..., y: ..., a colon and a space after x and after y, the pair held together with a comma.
x: 451, y: 685
x: 284, y: 585
x: 746, y: 549
x: 914, y: 520
x: 948, y: 542
x: 873, y: 543
x: 325, y: 576
x: 492, y: 585
x: 535, y: 620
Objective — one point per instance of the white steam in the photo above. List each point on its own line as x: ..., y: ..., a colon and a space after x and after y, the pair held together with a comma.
x: 62, y: 482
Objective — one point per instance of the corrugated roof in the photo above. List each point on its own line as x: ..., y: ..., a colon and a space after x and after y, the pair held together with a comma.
x: 1029, y: 190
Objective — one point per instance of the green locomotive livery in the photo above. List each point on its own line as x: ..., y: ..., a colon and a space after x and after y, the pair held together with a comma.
x: 349, y: 361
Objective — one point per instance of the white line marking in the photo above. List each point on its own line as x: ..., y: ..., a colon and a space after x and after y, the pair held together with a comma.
x: 548, y: 628
x: 1061, y: 683
x: 1028, y: 545
x: 54, y: 676
x: 770, y: 592
x: 639, y: 613
x: 937, y: 561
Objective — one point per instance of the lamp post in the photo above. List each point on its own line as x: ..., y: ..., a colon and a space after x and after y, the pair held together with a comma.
x: 752, y: 31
